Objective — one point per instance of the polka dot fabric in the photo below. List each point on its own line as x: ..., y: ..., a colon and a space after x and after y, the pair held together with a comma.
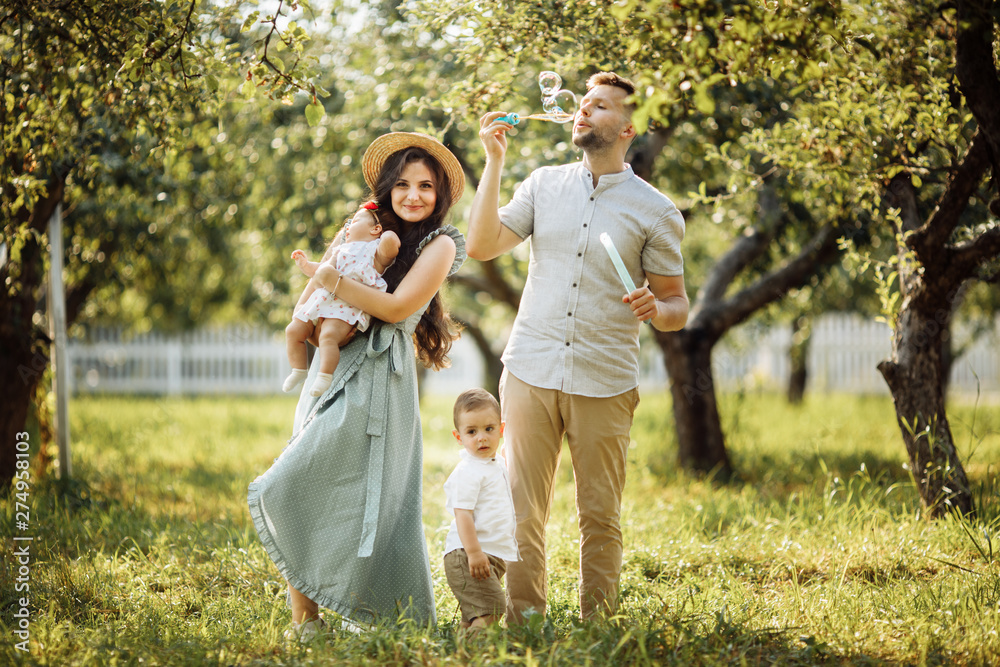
x: 339, y: 511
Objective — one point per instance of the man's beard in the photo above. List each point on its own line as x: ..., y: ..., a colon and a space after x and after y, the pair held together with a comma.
x: 594, y: 141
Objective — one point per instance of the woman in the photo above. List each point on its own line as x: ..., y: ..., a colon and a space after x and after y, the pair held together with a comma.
x: 339, y: 512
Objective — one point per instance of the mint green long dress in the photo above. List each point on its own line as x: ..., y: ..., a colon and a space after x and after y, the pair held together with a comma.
x: 339, y: 511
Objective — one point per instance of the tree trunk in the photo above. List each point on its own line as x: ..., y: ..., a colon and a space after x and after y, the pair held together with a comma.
x: 931, y: 274
x: 917, y: 387
x: 701, y: 444
x: 24, y: 348
x: 492, y: 366
x: 798, y: 354
x: 23, y: 360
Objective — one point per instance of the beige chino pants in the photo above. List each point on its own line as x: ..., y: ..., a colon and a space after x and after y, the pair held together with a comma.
x: 597, y: 432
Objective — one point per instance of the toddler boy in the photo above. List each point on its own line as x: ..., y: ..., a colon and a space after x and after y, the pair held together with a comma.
x: 481, y: 537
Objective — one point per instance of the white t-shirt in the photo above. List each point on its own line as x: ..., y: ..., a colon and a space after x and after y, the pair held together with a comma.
x: 481, y: 485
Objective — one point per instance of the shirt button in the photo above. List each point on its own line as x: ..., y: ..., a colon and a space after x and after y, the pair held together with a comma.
x: 567, y: 344
x: 569, y: 314
x: 585, y: 224
x: 579, y: 254
x: 574, y: 284
x: 591, y: 199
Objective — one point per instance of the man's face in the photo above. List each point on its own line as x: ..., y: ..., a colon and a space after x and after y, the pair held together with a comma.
x: 601, y: 118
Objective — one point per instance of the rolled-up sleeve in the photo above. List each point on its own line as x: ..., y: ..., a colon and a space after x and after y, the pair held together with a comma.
x: 519, y: 214
x: 661, y: 254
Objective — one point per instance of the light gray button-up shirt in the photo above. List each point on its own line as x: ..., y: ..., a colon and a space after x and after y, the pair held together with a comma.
x: 572, y: 332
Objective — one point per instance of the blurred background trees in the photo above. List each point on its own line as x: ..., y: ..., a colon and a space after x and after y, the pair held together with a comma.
x: 96, y: 96
x: 803, y: 141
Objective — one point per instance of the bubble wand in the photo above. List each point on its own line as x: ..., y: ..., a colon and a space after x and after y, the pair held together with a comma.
x: 554, y: 102
x: 616, y: 259
x: 514, y: 118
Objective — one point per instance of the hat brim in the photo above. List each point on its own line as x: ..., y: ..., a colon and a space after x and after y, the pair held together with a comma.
x: 380, y: 150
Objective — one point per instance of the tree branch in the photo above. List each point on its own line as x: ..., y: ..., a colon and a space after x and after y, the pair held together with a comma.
x: 967, y: 257
x: 976, y: 72
x: 644, y: 151
x: 38, y: 217
x: 743, y: 252
x: 474, y: 283
x: 773, y: 286
x: 266, y: 60
x: 492, y: 283
x: 902, y: 194
x: 966, y: 179
x: 491, y: 359
x: 502, y: 288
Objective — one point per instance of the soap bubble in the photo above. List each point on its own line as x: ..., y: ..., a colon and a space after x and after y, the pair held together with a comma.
x: 549, y: 82
x: 563, y: 101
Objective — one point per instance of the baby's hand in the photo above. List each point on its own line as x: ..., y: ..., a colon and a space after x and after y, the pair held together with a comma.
x: 300, y: 257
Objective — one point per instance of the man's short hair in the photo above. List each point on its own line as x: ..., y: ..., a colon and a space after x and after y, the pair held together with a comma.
x: 474, y: 399
x: 612, y: 79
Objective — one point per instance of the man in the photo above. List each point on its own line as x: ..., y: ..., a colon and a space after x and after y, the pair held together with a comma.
x: 571, y: 364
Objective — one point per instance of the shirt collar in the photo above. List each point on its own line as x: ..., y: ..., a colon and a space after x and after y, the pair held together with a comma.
x: 607, y: 180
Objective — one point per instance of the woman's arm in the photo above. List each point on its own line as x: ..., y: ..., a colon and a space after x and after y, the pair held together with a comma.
x: 419, y: 285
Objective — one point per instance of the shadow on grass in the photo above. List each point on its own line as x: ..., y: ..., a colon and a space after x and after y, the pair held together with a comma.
x: 98, y: 556
x: 762, y: 572
x: 660, y: 637
x: 807, y: 468
x: 115, y: 517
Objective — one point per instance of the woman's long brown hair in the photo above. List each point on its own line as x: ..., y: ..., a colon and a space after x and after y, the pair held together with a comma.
x: 435, y: 331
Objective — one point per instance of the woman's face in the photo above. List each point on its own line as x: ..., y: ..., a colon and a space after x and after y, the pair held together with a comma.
x: 414, y: 194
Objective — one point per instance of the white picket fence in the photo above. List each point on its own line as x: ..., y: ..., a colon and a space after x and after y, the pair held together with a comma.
x: 233, y: 360
x: 843, y: 356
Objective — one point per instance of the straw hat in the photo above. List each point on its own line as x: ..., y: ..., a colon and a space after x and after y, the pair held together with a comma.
x: 380, y: 150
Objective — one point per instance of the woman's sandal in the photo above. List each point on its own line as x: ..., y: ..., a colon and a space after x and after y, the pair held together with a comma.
x: 306, y: 631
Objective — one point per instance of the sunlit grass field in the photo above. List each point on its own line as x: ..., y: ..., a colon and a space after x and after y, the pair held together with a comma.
x: 819, y: 553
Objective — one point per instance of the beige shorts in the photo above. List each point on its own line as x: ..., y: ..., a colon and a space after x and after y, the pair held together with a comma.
x: 476, y: 597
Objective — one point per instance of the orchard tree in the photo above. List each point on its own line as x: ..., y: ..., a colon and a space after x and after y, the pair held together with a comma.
x: 95, y: 98
x: 901, y: 123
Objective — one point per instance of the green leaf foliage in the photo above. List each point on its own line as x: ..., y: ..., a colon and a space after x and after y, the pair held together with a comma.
x: 115, y: 110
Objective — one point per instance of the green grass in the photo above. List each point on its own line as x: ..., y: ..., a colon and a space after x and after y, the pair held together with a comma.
x: 818, y: 554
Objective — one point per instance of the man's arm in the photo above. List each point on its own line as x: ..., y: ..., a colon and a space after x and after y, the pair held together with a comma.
x: 487, y: 236
x: 663, y: 302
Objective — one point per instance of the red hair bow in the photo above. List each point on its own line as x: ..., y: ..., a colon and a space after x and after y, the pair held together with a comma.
x: 371, y: 206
